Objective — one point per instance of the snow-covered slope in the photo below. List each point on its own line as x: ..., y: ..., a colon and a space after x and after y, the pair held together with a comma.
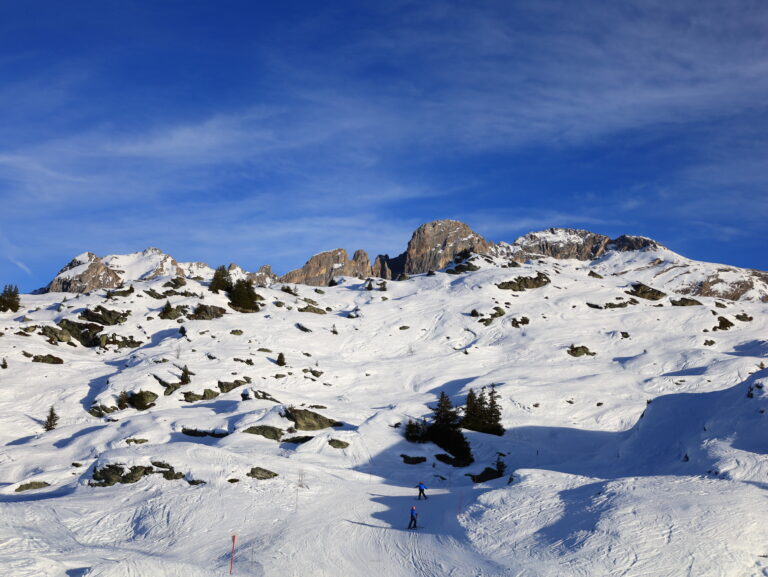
x: 649, y: 457
x: 641, y: 259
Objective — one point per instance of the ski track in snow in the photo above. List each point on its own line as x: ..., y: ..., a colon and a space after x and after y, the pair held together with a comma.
x: 650, y: 458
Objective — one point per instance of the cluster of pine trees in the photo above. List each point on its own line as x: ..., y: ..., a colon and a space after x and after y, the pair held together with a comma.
x: 444, y: 431
x: 9, y: 299
x: 242, y: 296
x: 482, y: 412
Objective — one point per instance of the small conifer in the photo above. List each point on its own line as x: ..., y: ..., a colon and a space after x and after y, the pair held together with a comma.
x: 471, y: 417
x: 493, y: 423
x: 9, y: 299
x: 51, y: 420
x: 221, y: 281
x: 243, y: 297
x: 444, y: 413
x: 415, y: 431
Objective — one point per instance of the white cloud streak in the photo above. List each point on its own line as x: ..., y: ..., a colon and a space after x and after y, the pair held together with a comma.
x: 324, y: 156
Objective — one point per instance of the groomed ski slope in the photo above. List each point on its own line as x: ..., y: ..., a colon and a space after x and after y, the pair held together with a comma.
x: 649, y: 458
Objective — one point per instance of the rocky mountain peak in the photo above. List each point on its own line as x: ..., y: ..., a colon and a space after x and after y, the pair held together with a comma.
x: 567, y: 243
x: 84, y: 273
x: 432, y: 246
x: 321, y: 268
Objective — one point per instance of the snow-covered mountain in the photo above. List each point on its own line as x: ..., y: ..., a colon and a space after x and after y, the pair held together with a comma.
x: 635, y: 439
x: 87, y: 272
x: 433, y: 246
x: 641, y: 259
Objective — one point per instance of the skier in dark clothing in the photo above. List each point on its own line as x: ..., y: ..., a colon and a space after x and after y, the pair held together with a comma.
x: 414, y: 518
x: 421, y: 486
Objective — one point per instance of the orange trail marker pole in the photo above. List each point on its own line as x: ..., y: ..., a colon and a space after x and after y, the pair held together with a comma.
x: 232, y: 556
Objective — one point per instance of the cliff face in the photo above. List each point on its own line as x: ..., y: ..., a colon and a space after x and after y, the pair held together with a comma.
x: 262, y: 277
x: 84, y: 273
x: 321, y: 268
x: 88, y: 272
x: 433, y: 246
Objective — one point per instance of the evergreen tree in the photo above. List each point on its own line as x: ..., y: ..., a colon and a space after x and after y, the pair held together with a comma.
x: 243, y: 297
x: 51, y: 420
x: 445, y: 433
x: 445, y: 415
x: 185, y: 379
x: 166, y: 310
x: 369, y: 285
x: 493, y: 423
x: 332, y: 282
x: 482, y: 409
x: 483, y: 412
x: 4, y: 364
x: 280, y: 360
x: 415, y: 431
x: 221, y: 281
x: 471, y: 417
x: 122, y: 400
x: 9, y: 299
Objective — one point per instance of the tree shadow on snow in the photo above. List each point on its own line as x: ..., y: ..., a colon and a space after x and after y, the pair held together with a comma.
x: 583, y: 511
x: 61, y: 443
x: 690, y: 372
x: 436, y: 515
x: 756, y: 348
x: 668, y: 439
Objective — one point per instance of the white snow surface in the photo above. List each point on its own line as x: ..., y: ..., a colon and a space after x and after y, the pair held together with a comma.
x: 648, y: 458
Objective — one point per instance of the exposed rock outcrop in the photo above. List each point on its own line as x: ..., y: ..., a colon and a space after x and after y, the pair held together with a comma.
x: 565, y: 243
x: 262, y: 277
x: 321, y: 268
x: 434, y: 245
x: 88, y: 272
x: 84, y: 273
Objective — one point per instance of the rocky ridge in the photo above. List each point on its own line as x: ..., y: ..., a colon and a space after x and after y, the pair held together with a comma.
x: 434, y: 246
x: 566, y: 243
x: 321, y: 268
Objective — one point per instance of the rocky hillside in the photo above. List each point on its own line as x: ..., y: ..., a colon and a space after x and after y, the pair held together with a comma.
x: 633, y: 419
x: 641, y: 259
x: 435, y: 246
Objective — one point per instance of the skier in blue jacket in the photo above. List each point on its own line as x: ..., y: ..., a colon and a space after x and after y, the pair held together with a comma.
x: 414, y: 518
x: 421, y: 486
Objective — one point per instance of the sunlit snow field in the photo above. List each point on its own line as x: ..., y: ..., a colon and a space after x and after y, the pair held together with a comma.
x: 648, y: 458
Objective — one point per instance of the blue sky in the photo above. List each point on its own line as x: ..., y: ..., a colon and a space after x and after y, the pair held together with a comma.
x: 263, y: 132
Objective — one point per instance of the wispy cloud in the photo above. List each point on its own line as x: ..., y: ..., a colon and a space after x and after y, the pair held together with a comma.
x: 418, y: 111
x: 9, y: 252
